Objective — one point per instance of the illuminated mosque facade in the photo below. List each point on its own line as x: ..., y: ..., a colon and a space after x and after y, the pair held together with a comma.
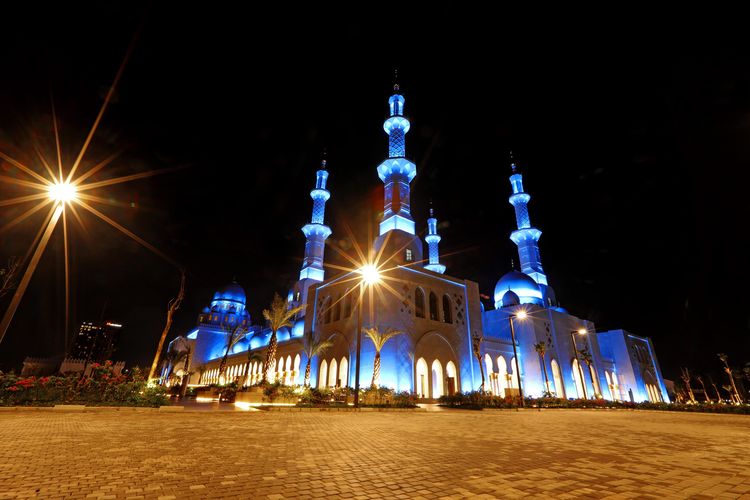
x: 450, y: 342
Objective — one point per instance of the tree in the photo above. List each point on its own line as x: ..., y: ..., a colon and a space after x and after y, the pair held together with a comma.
x: 314, y: 346
x: 172, y: 307
x: 685, y: 376
x: 725, y: 359
x: 234, y: 334
x: 8, y: 275
x: 589, y: 360
x: 705, y: 392
x: 716, y: 389
x: 251, y: 357
x: 280, y: 315
x: 378, y: 340
x: 541, y: 350
x: 476, y: 343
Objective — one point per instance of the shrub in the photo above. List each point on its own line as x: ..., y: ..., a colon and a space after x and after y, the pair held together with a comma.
x: 101, y: 386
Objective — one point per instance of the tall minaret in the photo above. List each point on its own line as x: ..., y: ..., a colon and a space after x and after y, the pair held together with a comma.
x: 525, y: 237
x: 316, y: 233
x: 432, y: 239
x: 397, y: 172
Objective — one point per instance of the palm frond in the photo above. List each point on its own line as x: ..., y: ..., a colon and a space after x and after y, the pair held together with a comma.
x: 280, y: 315
x: 379, y: 338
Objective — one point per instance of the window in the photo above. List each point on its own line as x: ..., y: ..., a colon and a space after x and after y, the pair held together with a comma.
x: 327, y: 309
x: 419, y: 303
x: 447, y: 309
x: 433, y: 307
x: 337, y: 310
x: 348, y: 304
x: 409, y: 256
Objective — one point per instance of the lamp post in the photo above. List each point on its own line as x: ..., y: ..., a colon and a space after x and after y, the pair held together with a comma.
x: 580, y: 331
x: 520, y: 315
x: 370, y: 276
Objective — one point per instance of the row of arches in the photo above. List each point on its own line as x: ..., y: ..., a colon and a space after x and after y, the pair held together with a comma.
x: 432, y: 382
x: 333, y: 373
x: 654, y: 394
x: 501, y: 382
x: 435, y: 314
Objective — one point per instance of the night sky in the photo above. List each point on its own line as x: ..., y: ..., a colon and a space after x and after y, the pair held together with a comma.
x: 633, y: 142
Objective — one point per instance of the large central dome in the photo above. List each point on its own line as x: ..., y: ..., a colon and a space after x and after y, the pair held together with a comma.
x: 232, y: 293
x: 522, y: 285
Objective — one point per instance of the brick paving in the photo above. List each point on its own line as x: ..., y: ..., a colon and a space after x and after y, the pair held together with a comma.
x: 450, y: 454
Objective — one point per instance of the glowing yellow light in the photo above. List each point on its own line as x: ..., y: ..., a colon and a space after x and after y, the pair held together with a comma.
x: 62, y: 191
x: 370, y: 274
x: 521, y: 314
x: 582, y: 331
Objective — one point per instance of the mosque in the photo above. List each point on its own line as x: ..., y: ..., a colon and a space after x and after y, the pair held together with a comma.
x: 528, y: 343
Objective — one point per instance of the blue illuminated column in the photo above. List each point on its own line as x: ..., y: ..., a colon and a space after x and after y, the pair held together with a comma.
x: 432, y: 239
x: 316, y: 233
x: 525, y: 237
x: 397, y: 172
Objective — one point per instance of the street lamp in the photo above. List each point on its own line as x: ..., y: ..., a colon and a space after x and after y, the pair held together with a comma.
x: 370, y: 276
x: 522, y: 316
x: 580, y: 331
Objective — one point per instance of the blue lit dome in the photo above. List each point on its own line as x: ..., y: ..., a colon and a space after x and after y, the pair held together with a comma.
x: 522, y: 285
x: 510, y: 299
x: 233, y: 292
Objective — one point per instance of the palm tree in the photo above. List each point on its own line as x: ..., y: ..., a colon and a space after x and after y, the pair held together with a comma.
x: 724, y: 358
x: 234, y: 334
x: 314, y: 346
x: 476, y: 342
x: 280, y: 315
x: 716, y: 389
x: 541, y: 350
x: 686, y: 378
x: 378, y: 340
x: 589, y: 360
x: 705, y: 392
x: 251, y: 357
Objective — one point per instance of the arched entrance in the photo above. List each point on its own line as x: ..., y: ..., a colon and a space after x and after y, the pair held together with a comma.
x: 437, y: 379
x: 422, y: 381
x: 557, y: 379
x: 451, y: 378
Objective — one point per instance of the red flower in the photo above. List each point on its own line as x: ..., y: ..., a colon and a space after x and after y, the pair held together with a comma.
x: 13, y: 388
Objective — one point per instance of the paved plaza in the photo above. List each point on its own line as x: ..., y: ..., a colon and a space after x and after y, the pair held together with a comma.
x: 485, y: 454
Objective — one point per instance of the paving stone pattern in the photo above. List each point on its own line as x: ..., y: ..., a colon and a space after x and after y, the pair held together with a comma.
x: 450, y: 454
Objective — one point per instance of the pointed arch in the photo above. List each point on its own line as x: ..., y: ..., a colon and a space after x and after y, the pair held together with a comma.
x: 557, y: 379
x: 323, y: 375
x: 447, y: 309
x: 333, y: 374
x: 419, y: 303
x: 451, y: 378
x: 502, y: 375
x: 514, y: 369
x: 437, y: 379
x: 490, y: 372
x: 575, y: 367
x: 433, y: 307
x: 421, y: 383
x: 344, y: 371
x: 297, y: 361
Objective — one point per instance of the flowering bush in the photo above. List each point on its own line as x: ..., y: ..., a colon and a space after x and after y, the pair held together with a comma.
x: 101, y: 386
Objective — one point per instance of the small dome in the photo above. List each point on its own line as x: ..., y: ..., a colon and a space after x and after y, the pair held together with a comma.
x: 233, y: 292
x: 510, y: 299
x: 522, y: 285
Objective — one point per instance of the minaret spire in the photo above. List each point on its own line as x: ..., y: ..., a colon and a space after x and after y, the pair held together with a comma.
x: 432, y: 239
x: 396, y: 171
x: 316, y: 233
x: 525, y: 237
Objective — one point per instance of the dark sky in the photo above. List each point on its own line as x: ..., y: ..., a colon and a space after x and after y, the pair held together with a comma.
x: 633, y: 137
